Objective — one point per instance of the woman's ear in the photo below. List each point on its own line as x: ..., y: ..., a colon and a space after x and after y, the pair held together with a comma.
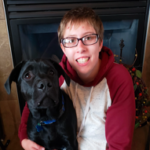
x: 63, y: 48
x: 100, y: 45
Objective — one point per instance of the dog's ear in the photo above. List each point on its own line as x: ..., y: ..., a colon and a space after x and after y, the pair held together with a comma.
x: 55, y: 59
x: 60, y: 71
x: 13, y: 76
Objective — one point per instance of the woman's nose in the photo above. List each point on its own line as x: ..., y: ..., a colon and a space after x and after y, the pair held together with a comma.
x: 81, y: 47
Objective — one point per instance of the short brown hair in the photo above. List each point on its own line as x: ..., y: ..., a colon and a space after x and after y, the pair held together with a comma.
x: 78, y: 15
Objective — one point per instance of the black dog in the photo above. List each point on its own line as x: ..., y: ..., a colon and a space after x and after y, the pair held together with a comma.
x: 52, y: 121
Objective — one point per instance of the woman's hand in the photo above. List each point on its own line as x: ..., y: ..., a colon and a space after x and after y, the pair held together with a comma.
x: 30, y: 145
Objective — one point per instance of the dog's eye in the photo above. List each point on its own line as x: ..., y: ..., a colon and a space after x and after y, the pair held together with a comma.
x: 28, y: 76
x: 51, y: 72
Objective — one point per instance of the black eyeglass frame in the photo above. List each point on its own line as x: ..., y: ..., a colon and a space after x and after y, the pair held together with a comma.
x: 78, y: 39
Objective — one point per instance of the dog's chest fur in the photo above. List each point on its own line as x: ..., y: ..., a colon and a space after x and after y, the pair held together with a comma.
x: 58, y: 134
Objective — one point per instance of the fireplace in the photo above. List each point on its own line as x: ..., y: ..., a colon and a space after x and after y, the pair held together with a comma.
x: 32, y: 27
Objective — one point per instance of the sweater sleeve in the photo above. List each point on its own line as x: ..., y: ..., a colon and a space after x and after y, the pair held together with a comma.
x: 22, y: 133
x: 120, y: 117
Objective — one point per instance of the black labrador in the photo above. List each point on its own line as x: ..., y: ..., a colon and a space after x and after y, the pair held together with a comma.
x: 52, y: 122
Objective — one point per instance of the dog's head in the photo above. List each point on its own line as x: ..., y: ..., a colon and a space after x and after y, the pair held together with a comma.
x: 38, y: 81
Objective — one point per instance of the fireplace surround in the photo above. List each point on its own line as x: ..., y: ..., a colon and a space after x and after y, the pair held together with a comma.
x: 32, y: 27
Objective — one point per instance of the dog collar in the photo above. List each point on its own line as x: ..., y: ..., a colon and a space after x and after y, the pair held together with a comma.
x: 39, y: 126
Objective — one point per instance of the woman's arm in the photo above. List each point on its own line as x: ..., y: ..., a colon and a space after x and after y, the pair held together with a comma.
x: 120, y: 117
x: 22, y: 133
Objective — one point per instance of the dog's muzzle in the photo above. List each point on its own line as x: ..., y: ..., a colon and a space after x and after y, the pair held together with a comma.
x: 44, y: 85
x: 43, y: 88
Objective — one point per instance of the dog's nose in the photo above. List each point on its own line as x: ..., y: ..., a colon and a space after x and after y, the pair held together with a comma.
x: 41, y: 85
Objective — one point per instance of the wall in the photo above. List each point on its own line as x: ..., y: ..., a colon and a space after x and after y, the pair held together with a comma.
x: 146, y: 64
x: 9, y: 107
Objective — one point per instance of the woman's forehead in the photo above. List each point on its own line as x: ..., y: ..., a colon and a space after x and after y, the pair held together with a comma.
x: 76, y: 25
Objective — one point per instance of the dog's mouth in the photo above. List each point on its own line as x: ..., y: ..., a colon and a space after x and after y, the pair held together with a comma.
x: 44, y: 101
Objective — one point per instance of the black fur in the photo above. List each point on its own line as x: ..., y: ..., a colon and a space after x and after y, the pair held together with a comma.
x: 39, y: 85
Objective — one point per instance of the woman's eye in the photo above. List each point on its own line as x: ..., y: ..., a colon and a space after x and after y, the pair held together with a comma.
x: 88, y: 38
x: 28, y: 75
x: 67, y: 41
x: 72, y: 41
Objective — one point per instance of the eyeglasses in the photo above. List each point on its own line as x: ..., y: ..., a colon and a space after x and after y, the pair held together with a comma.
x: 86, y: 40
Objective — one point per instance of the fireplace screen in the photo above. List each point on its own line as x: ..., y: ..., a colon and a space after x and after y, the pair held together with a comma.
x: 33, y: 24
x: 124, y: 31
x: 41, y: 41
